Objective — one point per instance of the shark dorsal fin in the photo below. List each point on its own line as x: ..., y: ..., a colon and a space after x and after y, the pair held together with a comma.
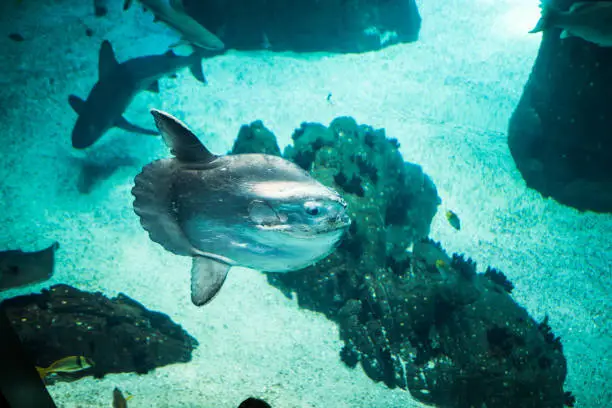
x: 76, y: 103
x: 107, y: 62
x: 184, y: 144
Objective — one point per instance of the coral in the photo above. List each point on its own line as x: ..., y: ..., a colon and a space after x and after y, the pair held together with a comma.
x: 499, y: 278
x: 256, y: 138
x: 420, y: 320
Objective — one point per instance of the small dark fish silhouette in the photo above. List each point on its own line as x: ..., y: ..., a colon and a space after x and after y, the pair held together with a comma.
x: 254, y: 210
x: 453, y: 220
x: 117, y: 85
x: 18, y: 268
x: 119, y: 401
x: 16, y: 37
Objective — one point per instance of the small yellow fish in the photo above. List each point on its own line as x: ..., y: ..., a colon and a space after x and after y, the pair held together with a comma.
x: 440, y: 264
x: 453, y: 220
x: 119, y: 401
x: 70, y: 364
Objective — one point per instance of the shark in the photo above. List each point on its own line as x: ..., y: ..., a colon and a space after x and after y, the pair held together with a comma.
x: 118, y: 84
x: 173, y: 14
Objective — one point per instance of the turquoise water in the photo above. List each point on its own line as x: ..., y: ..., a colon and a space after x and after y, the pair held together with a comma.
x: 447, y: 99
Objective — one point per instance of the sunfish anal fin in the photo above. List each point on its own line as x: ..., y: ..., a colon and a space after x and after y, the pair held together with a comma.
x: 122, y: 123
x: 107, y: 62
x: 207, y: 277
x: 183, y: 143
x: 76, y: 103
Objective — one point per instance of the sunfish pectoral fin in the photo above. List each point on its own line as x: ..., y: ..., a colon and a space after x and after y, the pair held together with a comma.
x: 122, y: 123
x: 207, y: 277
x: 153, y: 203
x: 76, y: 103
x: 185, y: 145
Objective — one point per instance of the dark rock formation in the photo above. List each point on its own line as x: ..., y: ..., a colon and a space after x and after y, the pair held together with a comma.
x: 309, y: 25
x: 419, y: 320
x: 118, y: 335
x: 559, y: 134
x: 256, y: 138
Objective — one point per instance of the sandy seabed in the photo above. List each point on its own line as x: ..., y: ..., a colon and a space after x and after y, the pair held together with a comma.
x: 446, y: 98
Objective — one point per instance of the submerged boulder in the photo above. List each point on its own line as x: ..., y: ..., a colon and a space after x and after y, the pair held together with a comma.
x: 309, y: 25
x: 118, y: 334
x: 559, y: 134
x: 412, y: 316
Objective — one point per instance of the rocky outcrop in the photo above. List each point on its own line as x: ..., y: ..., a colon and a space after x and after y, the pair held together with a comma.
x: 560, y: 133
x: 118, y: 335
x: 309, y: 25
x: 409, y: 314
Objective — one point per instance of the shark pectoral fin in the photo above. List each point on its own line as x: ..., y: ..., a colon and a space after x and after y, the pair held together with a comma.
x: 122, y: 123
x: 107, y: 63
x: 197, y: 72
x: 76, y: 103
x: 154, y: 87
x: 207, y: 277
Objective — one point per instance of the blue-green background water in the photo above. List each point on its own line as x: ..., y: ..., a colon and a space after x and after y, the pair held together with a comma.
x: 447, y: 98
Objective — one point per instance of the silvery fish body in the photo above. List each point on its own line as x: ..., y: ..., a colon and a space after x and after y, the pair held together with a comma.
x: 252, y: 210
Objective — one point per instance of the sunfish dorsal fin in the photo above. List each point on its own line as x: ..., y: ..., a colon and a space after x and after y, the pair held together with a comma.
x: 107, y: 62
x: 183, y: 143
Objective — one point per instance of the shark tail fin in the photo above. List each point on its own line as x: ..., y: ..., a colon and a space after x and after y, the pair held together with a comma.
x: 548, y: 17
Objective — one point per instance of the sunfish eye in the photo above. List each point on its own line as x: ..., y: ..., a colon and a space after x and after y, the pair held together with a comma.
x: 312, y: 208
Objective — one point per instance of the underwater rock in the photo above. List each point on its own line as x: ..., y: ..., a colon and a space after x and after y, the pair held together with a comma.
x: 559, y: 134
x: 419, y: 320
x: 118, y: 334
x: 391, y: 202
x: 309, y: 25
x: 18, y: 268
x: 256, y: 138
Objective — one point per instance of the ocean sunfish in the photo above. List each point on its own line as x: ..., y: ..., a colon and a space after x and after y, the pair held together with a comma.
x: 253, y: 210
